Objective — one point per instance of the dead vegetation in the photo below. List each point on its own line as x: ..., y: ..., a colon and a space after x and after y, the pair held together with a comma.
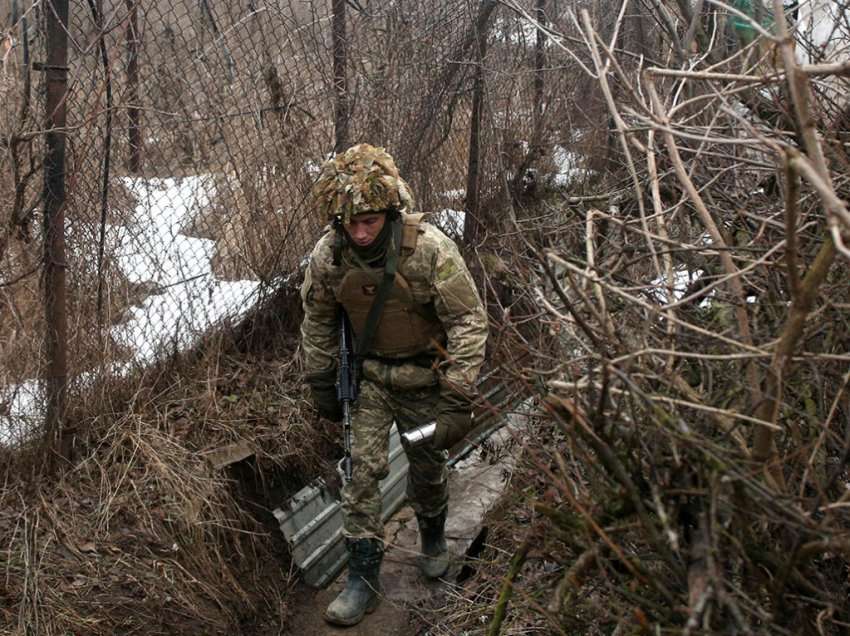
x: 692, y: 476
x: 146, y: 532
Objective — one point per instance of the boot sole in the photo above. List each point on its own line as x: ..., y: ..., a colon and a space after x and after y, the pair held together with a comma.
x: 422, y: 563
x: 348, y: 622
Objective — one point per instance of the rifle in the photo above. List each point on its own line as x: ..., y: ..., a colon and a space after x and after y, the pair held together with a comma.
x: 346, y: 386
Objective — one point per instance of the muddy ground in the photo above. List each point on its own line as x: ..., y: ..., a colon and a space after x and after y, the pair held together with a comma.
x: 410, y: 603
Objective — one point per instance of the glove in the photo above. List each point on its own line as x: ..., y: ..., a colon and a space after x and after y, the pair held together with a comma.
x: 323, y: 390
x: 454, y: 419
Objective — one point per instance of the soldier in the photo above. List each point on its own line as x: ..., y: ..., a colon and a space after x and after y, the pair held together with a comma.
x: 422, y: 353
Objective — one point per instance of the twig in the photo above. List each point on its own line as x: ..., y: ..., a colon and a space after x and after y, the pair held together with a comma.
x: 602, y: 72
x: 590, y: 248
x: 572, y: 578
x: 654, y: 309
x: 516, y: 564
x: 792, y: 192
x: 818, y: 175
x: 735, y: 285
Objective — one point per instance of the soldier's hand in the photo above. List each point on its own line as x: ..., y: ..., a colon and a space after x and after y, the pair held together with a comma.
x: 323, y: 392
x: 327, y: 405
x: 454, y: 420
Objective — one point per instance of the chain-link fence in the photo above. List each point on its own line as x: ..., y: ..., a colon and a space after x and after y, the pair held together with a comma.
x: 194, y: 132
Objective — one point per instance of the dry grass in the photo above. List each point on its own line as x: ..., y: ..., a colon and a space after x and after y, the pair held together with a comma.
x: 141, y: 534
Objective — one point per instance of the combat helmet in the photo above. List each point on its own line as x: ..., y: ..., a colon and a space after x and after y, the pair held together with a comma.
x: 362, y: 179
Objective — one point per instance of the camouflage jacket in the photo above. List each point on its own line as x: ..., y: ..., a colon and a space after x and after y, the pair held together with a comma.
x: 440, y: 285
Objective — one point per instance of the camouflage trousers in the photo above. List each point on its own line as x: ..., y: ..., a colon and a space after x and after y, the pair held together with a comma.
x: 376, y: 408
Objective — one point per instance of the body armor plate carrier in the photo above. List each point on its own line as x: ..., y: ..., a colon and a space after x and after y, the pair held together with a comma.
x: 405, y: 328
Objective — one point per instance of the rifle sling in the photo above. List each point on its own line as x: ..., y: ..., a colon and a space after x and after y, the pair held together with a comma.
x: 387, y: 283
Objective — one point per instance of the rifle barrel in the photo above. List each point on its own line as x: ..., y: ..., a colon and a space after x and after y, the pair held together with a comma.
x: 346, y: 388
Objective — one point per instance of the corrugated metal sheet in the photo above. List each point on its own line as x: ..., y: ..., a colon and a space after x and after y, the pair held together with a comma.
x: 312, y: 525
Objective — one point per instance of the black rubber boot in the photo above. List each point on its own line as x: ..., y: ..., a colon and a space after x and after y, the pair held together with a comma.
x: 434, y: 560
x: 361, y: 593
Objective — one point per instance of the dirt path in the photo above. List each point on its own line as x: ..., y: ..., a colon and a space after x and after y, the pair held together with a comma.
x: 474, y: 486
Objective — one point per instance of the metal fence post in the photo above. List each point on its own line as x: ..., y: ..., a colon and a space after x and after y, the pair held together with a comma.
x: 97, y: 9
x: 134, y: 112
x: 56, y: 373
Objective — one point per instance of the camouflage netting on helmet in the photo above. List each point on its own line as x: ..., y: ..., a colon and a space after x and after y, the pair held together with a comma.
x: 362, y: 179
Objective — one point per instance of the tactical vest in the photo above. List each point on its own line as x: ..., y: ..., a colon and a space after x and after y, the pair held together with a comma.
x: 406, y: 328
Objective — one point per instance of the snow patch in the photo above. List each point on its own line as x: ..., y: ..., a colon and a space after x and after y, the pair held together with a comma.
x: 23, y: 410
x: 823, y: 24
x: 188, y: 298
x: 191, y: 297
x: 312, y: 168
x: 568, y: 167
x: 522, y: 32
x: 455, y: 195
x: 450, y: 222
x: 682, y: 280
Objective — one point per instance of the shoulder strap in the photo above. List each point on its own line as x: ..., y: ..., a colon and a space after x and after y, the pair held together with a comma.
x: 410, y: 232
x: 387, y: 282
x: 337, y: 252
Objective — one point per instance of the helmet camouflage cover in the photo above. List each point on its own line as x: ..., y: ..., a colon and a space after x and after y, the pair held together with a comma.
x: 362, y: 179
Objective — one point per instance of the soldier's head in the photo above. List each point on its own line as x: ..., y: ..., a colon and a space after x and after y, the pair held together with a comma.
x: 360, y: 189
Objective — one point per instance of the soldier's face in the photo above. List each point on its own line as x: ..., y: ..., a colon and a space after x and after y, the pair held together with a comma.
x: 364, y: 228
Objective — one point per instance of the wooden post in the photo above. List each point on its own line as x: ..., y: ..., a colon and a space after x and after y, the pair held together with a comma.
x: 539, y: 63
x: 473, y: 228
x: 56, y: 372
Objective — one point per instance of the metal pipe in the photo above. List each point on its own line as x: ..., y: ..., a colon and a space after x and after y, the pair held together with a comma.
x: 420, y: 436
